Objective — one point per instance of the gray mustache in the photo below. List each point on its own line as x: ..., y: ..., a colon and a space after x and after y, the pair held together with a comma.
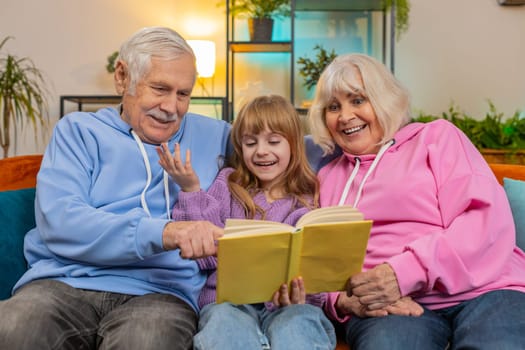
x: 162, y: 116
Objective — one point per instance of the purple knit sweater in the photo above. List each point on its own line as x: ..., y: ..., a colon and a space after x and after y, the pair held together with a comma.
x: 216, y: 205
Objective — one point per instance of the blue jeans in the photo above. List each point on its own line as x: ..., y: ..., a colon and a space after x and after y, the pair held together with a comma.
x: 238, y: 327
x: 48, y: 314
x: 495, y: 320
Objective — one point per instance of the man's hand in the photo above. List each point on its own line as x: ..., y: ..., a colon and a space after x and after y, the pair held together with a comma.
x: 182, y: 174
x: 376, y: 288
x: 195, y: 239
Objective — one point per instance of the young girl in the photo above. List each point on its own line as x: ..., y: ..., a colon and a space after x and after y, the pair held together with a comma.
x: 269, y: 179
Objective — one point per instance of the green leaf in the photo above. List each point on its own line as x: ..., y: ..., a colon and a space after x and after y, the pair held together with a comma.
x: 494, y: 131
x: 311, y: 69
x: 23, y: 96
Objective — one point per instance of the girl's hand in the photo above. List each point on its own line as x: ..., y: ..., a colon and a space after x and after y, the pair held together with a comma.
x: 282, y: 297
x: 182, y: 174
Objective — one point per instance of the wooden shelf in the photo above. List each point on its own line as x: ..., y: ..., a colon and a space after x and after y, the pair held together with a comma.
x: 274, y: 46
x: 337, y: 5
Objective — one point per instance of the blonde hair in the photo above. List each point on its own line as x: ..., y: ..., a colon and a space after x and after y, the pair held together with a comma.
x: 388, y: 97
x: 277, y: 114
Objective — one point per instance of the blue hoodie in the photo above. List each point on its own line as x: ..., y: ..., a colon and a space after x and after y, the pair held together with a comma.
x: 92, y: 230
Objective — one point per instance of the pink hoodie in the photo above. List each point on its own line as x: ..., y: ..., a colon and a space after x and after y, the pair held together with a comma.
x: 441, y: 219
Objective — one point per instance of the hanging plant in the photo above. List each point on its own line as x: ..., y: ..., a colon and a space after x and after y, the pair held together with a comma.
x: 402, y: 15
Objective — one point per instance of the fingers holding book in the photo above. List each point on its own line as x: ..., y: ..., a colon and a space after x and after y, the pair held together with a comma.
x: 285, y: 296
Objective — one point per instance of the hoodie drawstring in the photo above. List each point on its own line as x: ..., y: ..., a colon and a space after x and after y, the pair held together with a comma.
x: 349, y: 181
x: 382, y: 151
x: 148, y: 179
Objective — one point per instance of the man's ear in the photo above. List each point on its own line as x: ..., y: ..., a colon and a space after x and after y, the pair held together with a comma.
x: 121, y: 77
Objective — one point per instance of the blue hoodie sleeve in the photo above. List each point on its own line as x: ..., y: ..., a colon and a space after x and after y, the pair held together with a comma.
x: 88, y: 195
x: 70, y: 222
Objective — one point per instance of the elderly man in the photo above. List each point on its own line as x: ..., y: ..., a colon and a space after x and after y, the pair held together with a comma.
x: 107, y: 266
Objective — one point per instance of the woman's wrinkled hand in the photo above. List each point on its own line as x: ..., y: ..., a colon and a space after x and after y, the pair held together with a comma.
x: 350, y: 305
x: 405, y: 306
x: 376, y: 288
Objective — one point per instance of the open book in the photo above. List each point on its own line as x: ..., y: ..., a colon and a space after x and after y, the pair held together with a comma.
x: 255, y: 257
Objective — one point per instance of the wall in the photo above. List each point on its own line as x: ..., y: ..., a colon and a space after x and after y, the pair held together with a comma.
x: 462, y: 51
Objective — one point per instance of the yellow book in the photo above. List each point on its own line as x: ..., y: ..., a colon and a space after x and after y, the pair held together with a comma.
x: 255, y: 257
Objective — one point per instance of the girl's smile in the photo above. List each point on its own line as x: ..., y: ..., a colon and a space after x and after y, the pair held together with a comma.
x: 266, y: 155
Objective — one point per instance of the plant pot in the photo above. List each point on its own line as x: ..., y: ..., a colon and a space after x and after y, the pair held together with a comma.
x: 260, y: 29
x: 503, y: 156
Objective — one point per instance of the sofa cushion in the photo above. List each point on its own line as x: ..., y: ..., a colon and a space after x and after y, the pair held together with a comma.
x: 515, y: 190
x: 17, y: 216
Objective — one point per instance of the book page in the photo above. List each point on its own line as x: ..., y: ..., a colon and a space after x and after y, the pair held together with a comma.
x: 337, y: 213
x: 249, y: 227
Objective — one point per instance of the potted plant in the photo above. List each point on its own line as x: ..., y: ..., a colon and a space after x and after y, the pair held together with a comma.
x: 311, y: 69
x: 110, y: 65
x: 260, y: 15
x: 22, y: 96
x: 499, y: 139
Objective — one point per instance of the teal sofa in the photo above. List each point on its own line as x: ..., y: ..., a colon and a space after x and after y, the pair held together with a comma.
x: 17, y: 194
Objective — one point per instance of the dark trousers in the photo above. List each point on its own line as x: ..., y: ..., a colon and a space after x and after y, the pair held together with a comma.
x: 47, y: 314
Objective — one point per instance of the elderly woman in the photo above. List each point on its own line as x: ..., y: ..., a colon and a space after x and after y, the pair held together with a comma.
x: 443, y: 234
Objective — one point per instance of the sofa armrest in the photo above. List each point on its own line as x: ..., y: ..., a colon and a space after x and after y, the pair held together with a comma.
x: 19, y: 172
x: 512, y: 171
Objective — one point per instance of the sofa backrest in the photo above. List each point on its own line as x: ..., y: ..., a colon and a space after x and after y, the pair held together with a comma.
x: 20, y: 171
x: 511, y: 171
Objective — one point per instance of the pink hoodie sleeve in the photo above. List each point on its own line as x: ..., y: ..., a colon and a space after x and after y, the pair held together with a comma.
x: 477, y: 238
x: 330, y: 309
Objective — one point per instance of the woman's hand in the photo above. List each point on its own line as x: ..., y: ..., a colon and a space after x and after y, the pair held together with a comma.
x: 296, y: 296
x: 405, y: 306
x: 376, y: 288
x: 182, y: 174
x: 350, y: 305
